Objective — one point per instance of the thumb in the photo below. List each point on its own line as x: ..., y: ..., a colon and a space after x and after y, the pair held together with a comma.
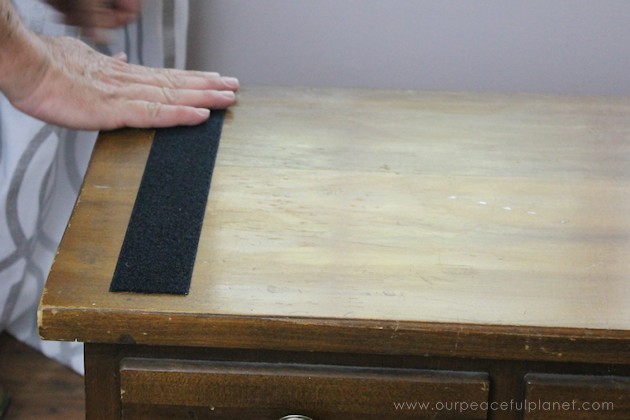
x: 121, y: 56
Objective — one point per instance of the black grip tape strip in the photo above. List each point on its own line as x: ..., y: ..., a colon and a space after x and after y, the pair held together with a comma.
x: 160, y: 246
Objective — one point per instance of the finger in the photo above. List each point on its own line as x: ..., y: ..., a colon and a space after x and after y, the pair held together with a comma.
x: 143, y: 114
x: 98, y: 35
x: 174, y: 78
x: 132, y: 6
x: 98, y: 18
x: 121, y: 56
x: 189, y: 97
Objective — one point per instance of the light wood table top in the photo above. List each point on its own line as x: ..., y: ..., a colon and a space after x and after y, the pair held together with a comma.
x: 375, y: 209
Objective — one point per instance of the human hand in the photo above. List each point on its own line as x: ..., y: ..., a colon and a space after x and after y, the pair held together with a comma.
x: 94, y: 14
x: 66, y: 82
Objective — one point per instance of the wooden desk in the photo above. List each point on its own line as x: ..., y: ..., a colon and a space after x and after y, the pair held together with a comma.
x: 363, y: 249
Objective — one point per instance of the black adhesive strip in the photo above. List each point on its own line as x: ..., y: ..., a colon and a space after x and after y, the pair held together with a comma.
x: 160, y: 246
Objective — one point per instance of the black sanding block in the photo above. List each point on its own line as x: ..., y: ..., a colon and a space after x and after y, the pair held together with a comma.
x: 160, y: 246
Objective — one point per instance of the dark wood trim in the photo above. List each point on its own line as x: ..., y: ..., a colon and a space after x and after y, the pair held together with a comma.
x: 507, y: 378
x: 339, y: 335
x: 102, y: 382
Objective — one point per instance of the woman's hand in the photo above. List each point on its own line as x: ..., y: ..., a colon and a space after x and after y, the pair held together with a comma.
x: 94, y: 14
x: 63, y: 81
x: 70, y: 84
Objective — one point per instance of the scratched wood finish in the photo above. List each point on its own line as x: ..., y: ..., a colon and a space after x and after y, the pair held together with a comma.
x: 497, y: 218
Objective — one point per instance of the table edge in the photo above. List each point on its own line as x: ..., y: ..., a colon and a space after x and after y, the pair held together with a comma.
x: 505, y: 342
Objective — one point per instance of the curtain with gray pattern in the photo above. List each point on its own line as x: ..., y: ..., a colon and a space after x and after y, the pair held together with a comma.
x: 42, y: 167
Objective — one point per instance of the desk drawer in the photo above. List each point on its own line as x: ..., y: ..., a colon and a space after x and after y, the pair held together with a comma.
x: 576, y: 397
x: 193, y: 389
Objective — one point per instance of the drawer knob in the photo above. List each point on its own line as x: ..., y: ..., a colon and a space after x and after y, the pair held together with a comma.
x: 295, y: 417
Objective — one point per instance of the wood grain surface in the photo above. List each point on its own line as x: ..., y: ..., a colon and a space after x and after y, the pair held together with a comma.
x: 172, y: 389
x: 576, y: 397
x: 39, y: 387
x: 500, y: 217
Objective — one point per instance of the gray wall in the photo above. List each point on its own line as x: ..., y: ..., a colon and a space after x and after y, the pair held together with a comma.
x: 565, y: 46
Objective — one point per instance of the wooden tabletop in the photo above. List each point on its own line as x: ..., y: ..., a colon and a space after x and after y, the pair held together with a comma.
x: 389, y: 211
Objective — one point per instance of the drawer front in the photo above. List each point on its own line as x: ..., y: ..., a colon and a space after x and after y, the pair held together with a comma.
x: 192, y: 389
x: 576, y: 397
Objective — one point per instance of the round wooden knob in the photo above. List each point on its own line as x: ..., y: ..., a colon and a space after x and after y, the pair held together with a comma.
x: 296, y: 417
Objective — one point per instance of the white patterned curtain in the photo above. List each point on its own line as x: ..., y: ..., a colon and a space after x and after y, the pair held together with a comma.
x: 42, y: 167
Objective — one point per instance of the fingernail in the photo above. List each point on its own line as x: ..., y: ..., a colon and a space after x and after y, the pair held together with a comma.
x: 205, y: 113
x: 231, y: 82
x: 228, y: 94
x: 121, y: 56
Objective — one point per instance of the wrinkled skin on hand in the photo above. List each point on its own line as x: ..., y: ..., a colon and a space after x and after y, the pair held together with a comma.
x: 72, y: 85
